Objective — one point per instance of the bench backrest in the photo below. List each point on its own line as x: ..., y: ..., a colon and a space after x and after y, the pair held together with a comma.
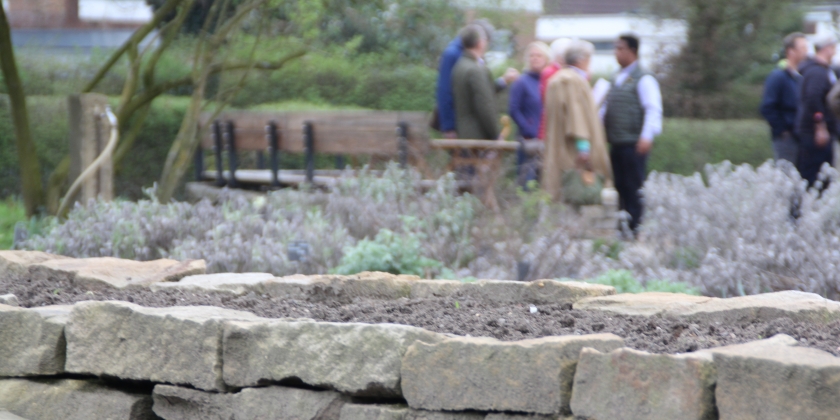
x: 342, y: 132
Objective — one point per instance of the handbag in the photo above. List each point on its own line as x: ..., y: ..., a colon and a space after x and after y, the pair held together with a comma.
x: 582, y: 188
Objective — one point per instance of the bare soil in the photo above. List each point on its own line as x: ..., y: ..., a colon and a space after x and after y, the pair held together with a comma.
x: 465, y: 317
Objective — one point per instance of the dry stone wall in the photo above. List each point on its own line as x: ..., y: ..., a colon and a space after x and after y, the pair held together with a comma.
x: 118, y: 360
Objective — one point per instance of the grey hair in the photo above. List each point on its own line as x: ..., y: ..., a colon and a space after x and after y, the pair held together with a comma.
x: 577, y: 51
x: 823, y: 41
x: 471, y: 35
x: 558, y: 48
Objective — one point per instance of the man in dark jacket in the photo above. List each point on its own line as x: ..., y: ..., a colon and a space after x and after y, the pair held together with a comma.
x: 781, y: 99
x: 443, y: 93
x: 816, y: 125
x: 473, y: 89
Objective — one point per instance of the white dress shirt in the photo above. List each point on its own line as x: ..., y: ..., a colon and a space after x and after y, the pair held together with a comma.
x: 650, y: 98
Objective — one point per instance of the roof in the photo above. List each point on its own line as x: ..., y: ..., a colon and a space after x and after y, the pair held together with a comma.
x: 590, y: 7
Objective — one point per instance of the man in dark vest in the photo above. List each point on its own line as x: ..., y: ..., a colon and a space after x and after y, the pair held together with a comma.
x: 632, y: 118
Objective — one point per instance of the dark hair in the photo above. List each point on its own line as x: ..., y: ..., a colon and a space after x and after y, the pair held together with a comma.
x: 471, y: 35
x: 790, y: 40
x: 632, y: 42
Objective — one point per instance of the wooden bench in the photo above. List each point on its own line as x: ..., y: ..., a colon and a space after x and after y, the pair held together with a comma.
x: 401, y: 136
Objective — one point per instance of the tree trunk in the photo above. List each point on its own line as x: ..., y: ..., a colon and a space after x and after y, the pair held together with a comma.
x: 30, y: 169
x: 183, y: 149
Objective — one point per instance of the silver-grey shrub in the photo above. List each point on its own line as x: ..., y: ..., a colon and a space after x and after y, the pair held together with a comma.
x: 734, y: 232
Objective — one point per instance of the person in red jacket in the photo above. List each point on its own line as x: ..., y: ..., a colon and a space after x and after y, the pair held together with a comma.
x: 558, y: 49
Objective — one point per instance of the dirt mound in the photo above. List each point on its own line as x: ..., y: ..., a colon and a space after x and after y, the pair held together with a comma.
x: 462, y: 317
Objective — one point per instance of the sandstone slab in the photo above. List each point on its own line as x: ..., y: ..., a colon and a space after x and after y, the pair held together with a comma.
x: 641, y: 304
x: 774, y: 379
x: 32, y: 340
x: 14, y: 265
x: 373, y: 412
x: 230, y: 283
x: 538, y: 292
x: 5, y: 415
x: 177, y: 345
x: 633, y: 385
x: 437, y: 415
x: 799, y: 306
x: 273, y: 402
x: 464, y: 373
x: 796, y: 305
x: 356, y: 359
x: 345, y: 289
x: 71, y: 399
x: 106, y: 272
x: 9, y: 299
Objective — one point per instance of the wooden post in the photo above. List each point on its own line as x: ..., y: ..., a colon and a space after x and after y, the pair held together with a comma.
x: 89, y: 134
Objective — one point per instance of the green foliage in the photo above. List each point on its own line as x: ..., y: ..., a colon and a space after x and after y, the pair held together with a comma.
x: 374, y: 81
x: 388, y: 252
x: 49, y: 117
x: 726, y: 41
x: 610, y: 249
x: 686, y: 145
x: 625, y: 282
x: 11, y: 212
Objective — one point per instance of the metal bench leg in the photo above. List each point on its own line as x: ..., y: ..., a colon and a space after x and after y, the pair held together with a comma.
x: 309, y: 144
x: 230, y: 137
x: 273, y: 150
x: 402, y: 144
x: 218, y: 146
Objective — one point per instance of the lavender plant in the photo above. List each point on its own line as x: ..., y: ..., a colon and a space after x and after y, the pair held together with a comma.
x: 732, y: 230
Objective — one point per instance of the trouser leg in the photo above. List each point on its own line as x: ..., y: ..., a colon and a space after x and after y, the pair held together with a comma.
x: 629, y: 170
x: 785, y: 147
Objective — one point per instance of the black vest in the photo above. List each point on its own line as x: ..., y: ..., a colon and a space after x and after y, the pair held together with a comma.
x: 625, y: 116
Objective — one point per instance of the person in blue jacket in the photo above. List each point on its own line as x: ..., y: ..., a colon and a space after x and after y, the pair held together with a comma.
x: 781, y: 99
x: 525, y: 107
x: 444, y: 99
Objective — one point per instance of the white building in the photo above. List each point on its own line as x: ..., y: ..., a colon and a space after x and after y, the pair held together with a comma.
x: 601, y: 22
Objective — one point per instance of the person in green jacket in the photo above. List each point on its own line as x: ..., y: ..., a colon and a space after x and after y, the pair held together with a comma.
x: 473, y: 89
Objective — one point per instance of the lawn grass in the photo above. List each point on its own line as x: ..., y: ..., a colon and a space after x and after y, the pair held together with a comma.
x: 11, y: 212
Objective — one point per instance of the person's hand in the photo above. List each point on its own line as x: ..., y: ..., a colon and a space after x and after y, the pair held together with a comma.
x: 821, y: 136
x: 643, y: 146
x: 510, y: 76
x: 450, y: 135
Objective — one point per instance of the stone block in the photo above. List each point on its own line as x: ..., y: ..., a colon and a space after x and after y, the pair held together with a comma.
x: 484, y: 374
x: 641, y: 304
x: 799, y: 306
x: 177, y: 345
x: 106, y: 273
x: 774, y: 379
x: 437, y: 415
x: 373, y: 412
x: 540, y: 292
x: 230, y: 283
x: 71, y: 399
x: 356, y: 359
x: 273, y: 402
x: 633, y: 385
x: 504, y: 416
x: 32, y: 340
x: 796, y: 305
x: 14, y: 265
x: 9, y: 300
x: 5, y: 415
x: 345, y: 289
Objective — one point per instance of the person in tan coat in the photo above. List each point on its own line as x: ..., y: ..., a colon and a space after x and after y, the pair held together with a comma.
x: 574, y: 134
